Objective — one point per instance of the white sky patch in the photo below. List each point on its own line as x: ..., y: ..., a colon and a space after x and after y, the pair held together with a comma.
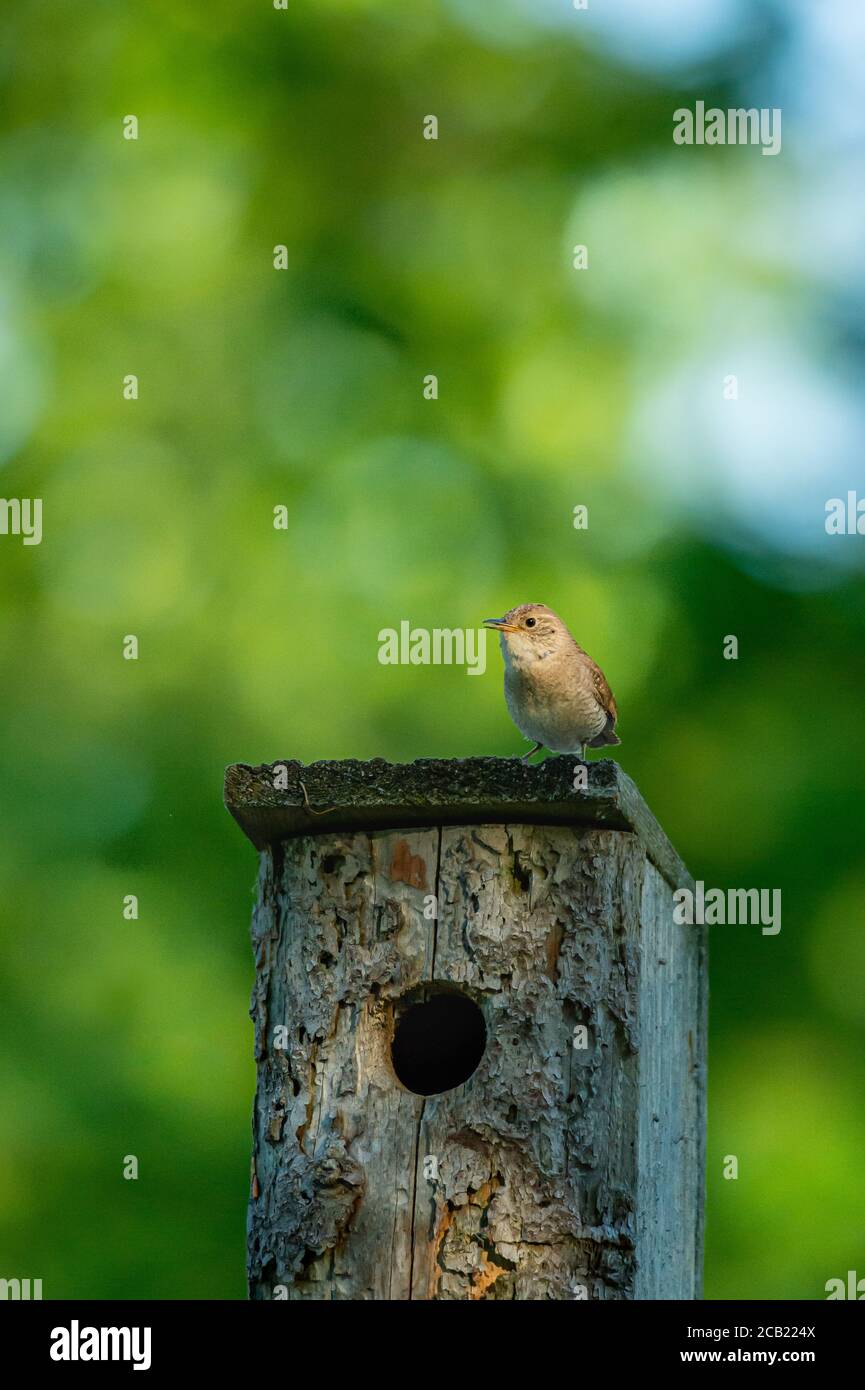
x: 761, y: 467
x: 656, y: 34
x: 817, y: 75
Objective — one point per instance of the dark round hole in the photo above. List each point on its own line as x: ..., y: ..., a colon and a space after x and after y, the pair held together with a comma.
x: 438, y: 1043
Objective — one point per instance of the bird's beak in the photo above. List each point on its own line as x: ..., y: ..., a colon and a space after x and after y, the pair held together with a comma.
x: 499, y: 624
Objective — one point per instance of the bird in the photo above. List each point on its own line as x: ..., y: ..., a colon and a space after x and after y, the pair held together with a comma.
x: 556, y: 694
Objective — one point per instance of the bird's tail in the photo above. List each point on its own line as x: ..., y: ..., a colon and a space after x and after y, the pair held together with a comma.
x: 602, y: 739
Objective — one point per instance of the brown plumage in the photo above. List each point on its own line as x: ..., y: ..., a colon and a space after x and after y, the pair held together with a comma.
x: 556, y: 694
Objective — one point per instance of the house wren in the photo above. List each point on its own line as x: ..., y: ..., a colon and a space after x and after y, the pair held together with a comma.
x: 555, y: 693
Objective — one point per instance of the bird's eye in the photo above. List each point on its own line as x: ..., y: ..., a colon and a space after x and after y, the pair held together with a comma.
x: 530, y: 622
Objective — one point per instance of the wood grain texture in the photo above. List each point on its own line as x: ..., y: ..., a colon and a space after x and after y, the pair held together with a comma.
x: 555, y: 1172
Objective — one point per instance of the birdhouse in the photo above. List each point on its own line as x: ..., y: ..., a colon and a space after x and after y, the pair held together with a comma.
x: 480, y: 1035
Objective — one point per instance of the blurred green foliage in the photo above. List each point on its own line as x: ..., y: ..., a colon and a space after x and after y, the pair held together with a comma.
x: 303, y: 387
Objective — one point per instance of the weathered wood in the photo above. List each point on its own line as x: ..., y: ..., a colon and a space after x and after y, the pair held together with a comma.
x: 555, y: 1171
x: 458, y: 791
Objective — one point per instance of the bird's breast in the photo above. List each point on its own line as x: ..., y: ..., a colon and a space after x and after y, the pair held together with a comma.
x: 554, y: 703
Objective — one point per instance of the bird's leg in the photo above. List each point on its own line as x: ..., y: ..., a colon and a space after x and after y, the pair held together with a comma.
x: 531, y: 752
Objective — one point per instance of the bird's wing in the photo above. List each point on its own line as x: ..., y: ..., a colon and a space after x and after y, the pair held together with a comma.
x: 602, y: 690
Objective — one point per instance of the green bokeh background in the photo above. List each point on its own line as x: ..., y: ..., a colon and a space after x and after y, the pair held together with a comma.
x: 303, y: 388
